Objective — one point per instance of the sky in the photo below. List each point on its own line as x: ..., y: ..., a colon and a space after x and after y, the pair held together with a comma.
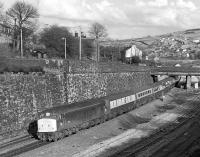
x: 123, y: 19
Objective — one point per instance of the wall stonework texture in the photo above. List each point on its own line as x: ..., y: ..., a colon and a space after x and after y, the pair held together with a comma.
x: 87, y: 86
x: 22, y: 96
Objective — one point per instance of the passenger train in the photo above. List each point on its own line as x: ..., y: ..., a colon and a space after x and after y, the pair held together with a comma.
x: 58, y: 122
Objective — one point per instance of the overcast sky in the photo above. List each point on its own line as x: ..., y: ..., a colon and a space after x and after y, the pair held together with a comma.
x: 122, y: 18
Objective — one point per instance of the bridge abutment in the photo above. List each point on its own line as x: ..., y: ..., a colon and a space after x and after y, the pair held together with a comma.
x: 196, y: 85
x: 188, y: 81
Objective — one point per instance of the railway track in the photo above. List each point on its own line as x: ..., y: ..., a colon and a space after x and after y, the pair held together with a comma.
x: 162, y: 138
x: 19, y: 146
x: 181, y: 143
x: 15, y: 141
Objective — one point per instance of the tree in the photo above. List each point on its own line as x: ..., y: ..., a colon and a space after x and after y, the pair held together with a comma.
x: 3, y: 17
x: 97, y: 31
x: 23, y: 15
x: 135, y: 60
x: 52, y: 36
x: 1, y: 11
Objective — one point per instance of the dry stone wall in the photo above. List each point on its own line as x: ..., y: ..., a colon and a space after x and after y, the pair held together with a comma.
x: 23, y: 96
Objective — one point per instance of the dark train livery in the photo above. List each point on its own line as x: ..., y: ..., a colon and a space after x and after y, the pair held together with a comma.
x: 58, y: 122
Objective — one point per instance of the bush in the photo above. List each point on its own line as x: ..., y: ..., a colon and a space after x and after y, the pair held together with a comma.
x: 134, y: 60
x: 15, y: 66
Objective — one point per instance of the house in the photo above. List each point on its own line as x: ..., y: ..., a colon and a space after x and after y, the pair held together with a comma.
x: 127, y: 53
x: 133, y: 51
x: 39, y: 53
x: 5, y: 34
x: 197, y: 41
x: 5, y: 40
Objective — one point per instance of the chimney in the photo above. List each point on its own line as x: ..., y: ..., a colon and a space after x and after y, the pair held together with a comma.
x: 76, y: 34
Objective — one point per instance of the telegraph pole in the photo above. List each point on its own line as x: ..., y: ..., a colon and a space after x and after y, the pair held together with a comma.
x: 21, y: 43
x: 65, y: 47
x: 80, y: 44
x: 98, y: 50
x: 14, y: 35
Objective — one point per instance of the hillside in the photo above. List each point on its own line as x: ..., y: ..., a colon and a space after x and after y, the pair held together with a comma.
x: 176, y: 45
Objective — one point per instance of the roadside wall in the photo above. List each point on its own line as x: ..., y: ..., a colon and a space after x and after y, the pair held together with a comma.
x: 23, y: 96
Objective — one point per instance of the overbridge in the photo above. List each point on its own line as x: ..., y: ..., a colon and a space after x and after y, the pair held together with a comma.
x: 176, y: 71
x: 188, y: 72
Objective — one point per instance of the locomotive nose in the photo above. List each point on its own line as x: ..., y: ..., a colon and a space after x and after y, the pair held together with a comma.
x: 33, y: 128
x: 47, y: 125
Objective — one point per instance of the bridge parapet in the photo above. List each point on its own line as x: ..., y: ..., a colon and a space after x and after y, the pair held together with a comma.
x: 188, y: 72
x: 176, y: 71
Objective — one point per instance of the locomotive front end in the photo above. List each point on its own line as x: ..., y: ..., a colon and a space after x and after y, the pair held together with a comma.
x: 47, y: 125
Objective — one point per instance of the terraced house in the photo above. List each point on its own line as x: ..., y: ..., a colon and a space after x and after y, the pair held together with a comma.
x: 5, y: 34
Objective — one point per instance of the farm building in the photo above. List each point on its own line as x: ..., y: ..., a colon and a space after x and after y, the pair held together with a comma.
x: 130, y: 52
x: 133, y: 51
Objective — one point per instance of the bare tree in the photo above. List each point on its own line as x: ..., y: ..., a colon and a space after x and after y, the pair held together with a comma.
x: 23, y: 15
x: 4, y: 19
x: 1, y: 7
x: 98, y: 30
x: 1, y: 12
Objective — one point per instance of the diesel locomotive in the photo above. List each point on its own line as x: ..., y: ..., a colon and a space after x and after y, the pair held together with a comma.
x: 58, y: 122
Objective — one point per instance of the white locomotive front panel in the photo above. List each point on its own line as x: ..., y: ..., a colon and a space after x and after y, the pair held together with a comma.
x: 47, y: 125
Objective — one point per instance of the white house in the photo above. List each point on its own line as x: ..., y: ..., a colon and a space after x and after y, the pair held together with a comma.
x: 133, y: 51
x: 196, y: 41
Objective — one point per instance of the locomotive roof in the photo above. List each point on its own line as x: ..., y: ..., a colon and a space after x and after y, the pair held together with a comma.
x: 76, y: 105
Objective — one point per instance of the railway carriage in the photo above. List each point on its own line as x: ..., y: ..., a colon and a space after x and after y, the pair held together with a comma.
x: 57, y: 122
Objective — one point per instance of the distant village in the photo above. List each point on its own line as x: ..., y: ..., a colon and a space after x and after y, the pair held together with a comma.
x: 177, y: 45
x: 181, y: 45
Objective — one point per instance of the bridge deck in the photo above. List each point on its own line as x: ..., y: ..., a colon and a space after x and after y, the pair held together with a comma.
x: 176, y: 71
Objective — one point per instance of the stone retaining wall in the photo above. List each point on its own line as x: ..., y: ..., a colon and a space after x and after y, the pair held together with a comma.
x: 23, y: 96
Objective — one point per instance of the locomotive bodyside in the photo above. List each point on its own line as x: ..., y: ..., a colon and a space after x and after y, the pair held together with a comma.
x: 68, y: 121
